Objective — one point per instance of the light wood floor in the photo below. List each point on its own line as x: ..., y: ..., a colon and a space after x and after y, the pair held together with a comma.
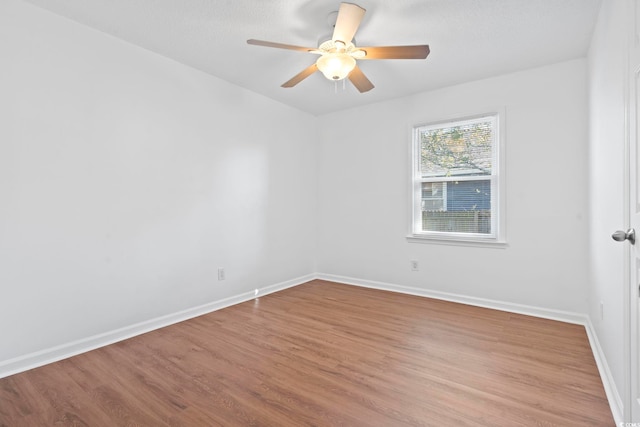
x: 325, y: 354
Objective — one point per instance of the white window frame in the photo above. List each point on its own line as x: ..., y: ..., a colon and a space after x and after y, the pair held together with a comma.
x: 497, y: 179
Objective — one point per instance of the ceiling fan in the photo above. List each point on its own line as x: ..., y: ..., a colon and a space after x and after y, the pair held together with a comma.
x: 338, y: 55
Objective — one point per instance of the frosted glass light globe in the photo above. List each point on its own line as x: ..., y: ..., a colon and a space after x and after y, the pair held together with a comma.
x: 336, y: 66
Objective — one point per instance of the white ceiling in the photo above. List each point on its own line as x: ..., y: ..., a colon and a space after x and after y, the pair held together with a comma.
x: 469, y: 40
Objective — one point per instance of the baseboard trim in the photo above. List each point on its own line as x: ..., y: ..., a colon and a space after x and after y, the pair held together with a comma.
x: 614, y: 398
x: 545, y: 313
x: 63, y: 351
x: 615, y: 402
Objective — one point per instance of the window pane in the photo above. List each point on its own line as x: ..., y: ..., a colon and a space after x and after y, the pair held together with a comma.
x: 466, y: 208
x: 456, y: 180
x: 433, y: 196
x: 461, y: 150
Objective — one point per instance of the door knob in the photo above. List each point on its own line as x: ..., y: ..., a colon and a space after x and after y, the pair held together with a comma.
x: 621, y: 236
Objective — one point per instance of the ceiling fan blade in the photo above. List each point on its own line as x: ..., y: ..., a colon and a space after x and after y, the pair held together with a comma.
x: 280, y: 45
x: 301, y: 76
x: 396, y: 52
x: 349, y: 17
x: 359, y: 80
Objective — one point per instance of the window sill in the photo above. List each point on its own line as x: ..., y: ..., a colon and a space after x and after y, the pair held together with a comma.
x: 482, y: 243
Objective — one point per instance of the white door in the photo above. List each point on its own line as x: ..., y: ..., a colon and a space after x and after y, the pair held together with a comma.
x: 633, y: 102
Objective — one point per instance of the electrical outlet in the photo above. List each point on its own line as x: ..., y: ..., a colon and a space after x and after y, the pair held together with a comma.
x: 414, y: 265
x: 221, y: 275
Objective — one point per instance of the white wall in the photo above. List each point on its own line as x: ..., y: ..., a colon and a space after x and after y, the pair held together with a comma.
x: 127, y: 179
x: 364, y: 178
x: 607, y: 62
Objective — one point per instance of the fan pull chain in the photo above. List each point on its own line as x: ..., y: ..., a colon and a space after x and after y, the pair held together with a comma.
x: 335, y: 85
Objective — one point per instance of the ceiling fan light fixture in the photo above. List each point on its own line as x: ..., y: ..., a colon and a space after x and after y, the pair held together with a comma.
x: 336, y: 66
x: 339, y: 52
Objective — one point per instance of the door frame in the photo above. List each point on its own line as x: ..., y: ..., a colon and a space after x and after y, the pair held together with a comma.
x: 631, y: 350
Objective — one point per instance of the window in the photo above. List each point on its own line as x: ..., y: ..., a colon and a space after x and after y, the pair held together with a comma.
x: 434, y: 196
x: 456, y: 181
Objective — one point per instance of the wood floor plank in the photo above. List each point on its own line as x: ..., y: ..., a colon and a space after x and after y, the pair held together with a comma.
x: 325, y: 354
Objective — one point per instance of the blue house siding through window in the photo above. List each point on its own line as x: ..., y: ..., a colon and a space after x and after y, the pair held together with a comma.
x: 468, y: 195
